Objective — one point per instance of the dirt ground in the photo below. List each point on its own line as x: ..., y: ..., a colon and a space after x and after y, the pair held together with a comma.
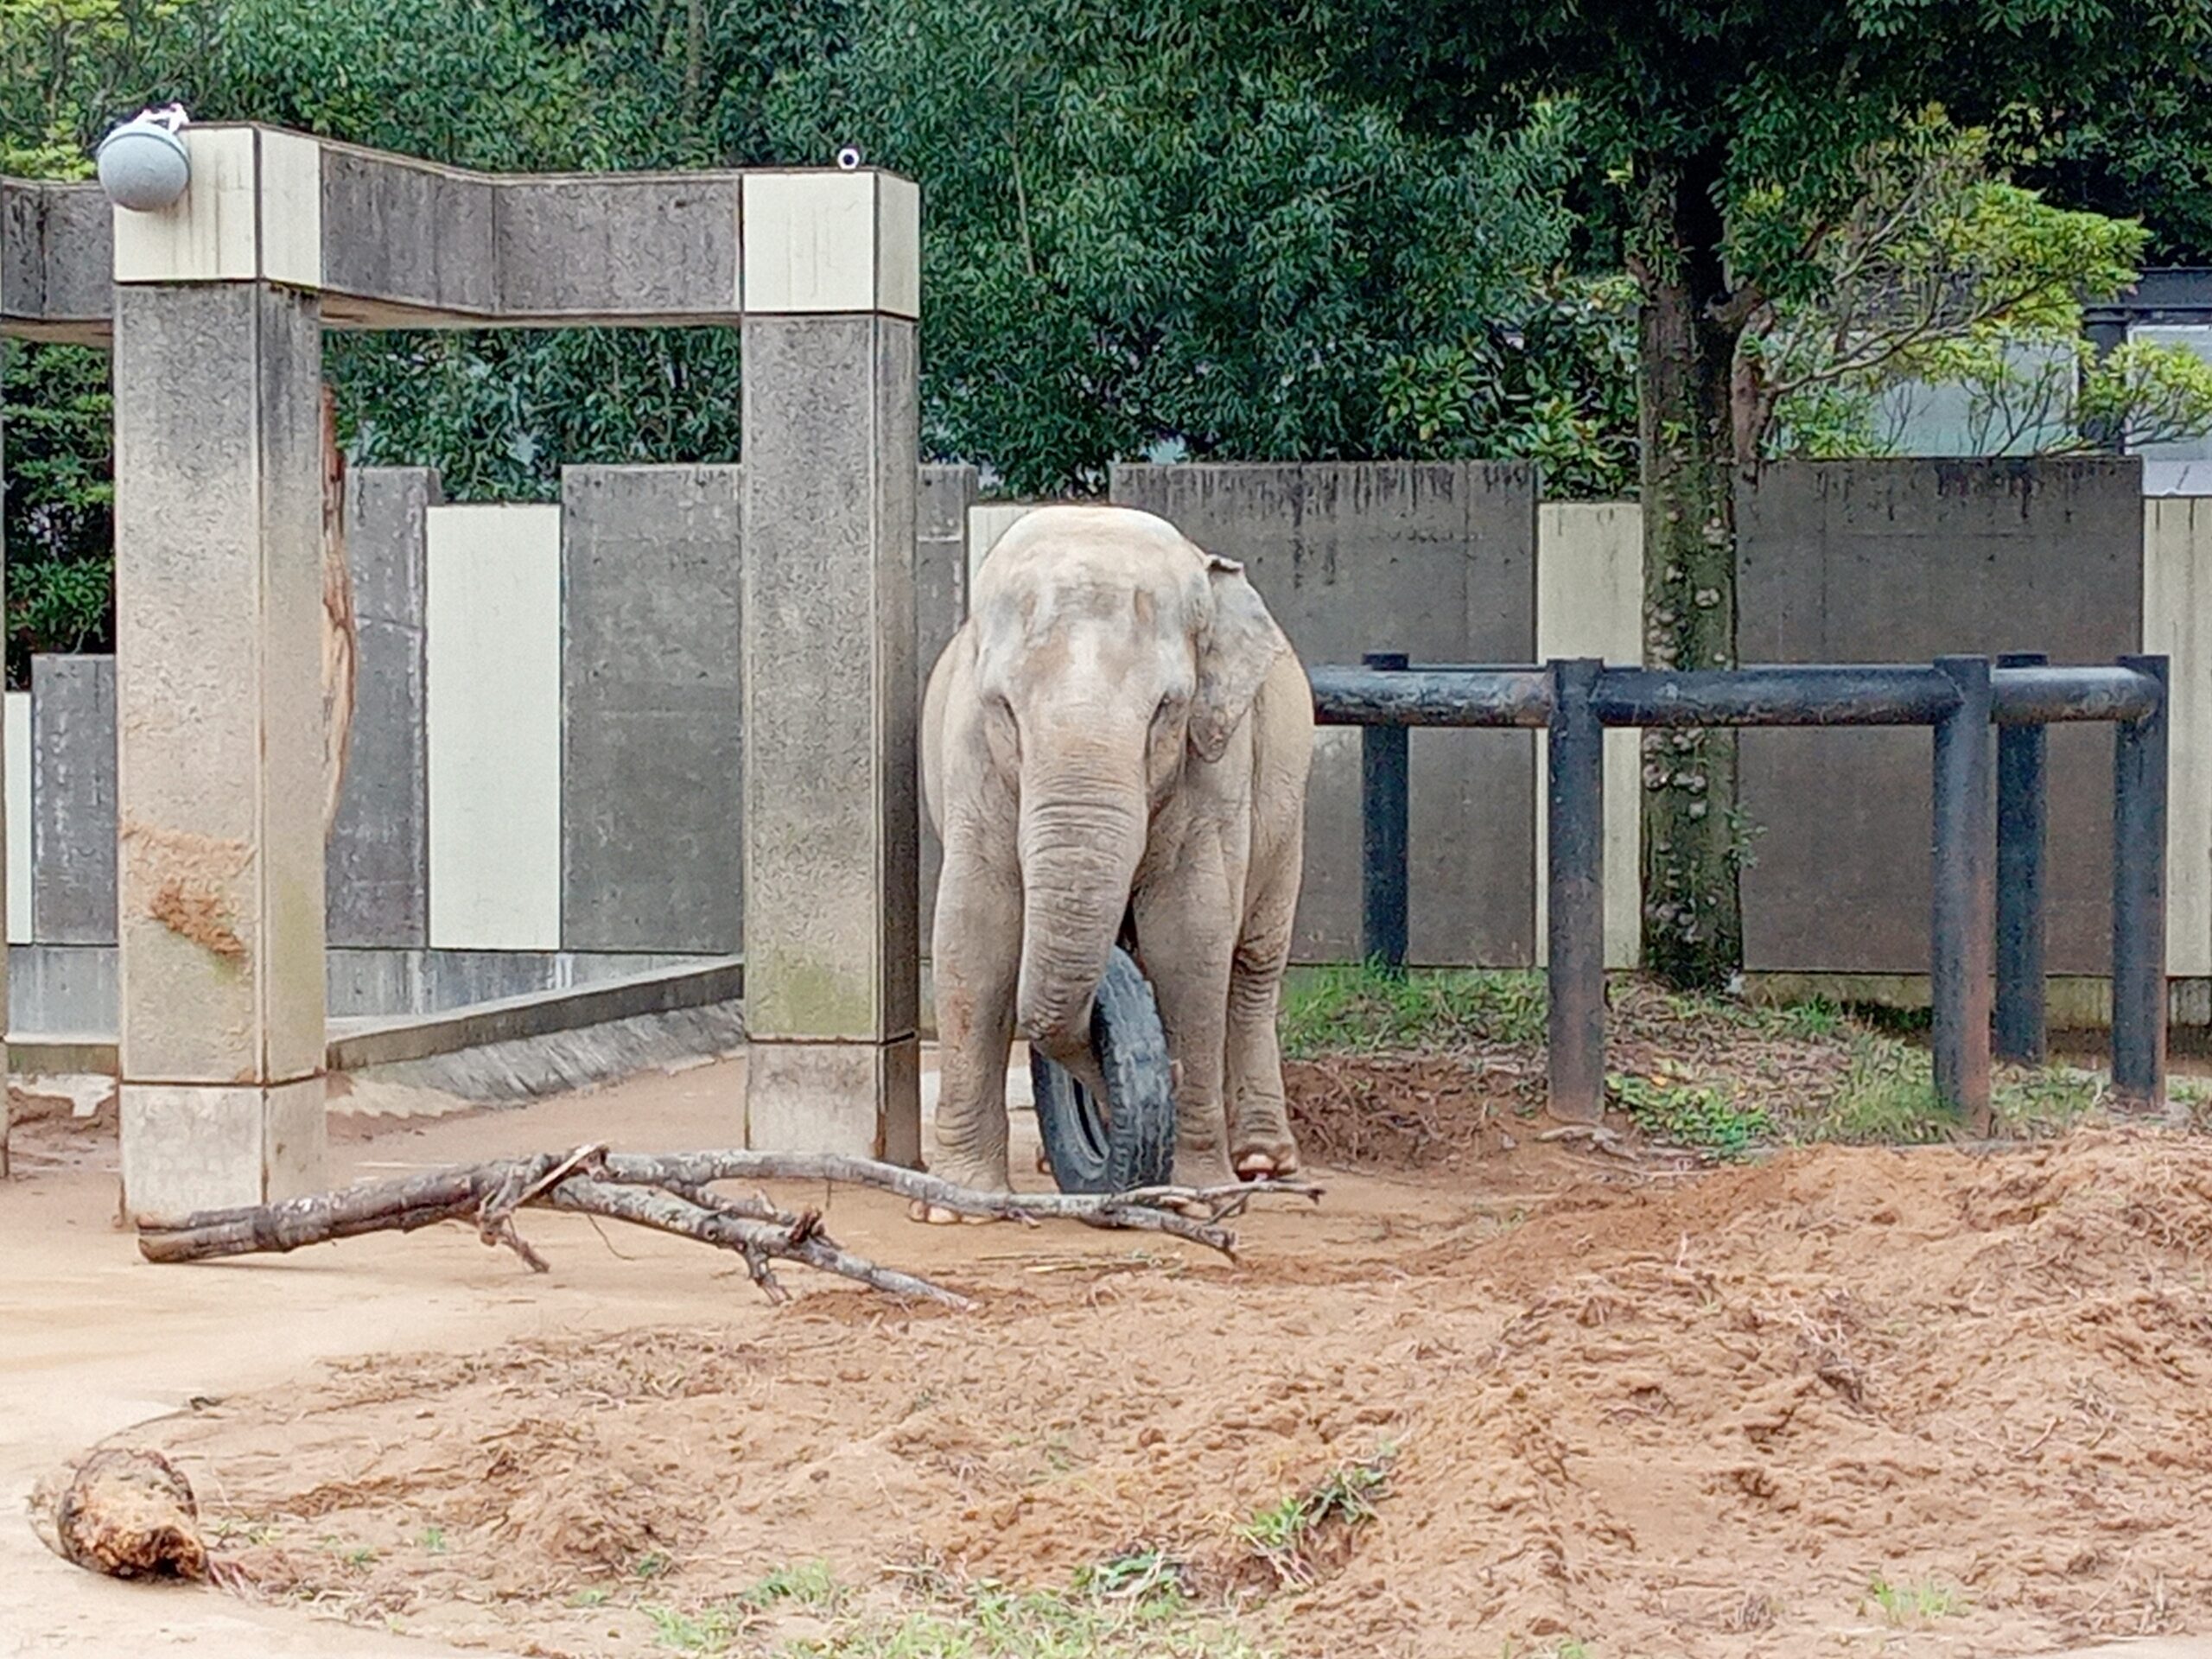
x: 1840, y: 1400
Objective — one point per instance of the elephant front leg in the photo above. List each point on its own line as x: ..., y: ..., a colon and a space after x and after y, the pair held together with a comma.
x: 1260, y: 1141
x: 1185, y: 941
x: 977, y: 960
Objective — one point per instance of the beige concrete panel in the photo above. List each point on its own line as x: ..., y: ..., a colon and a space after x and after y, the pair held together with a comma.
x: 18, y: 816
x: 493, y: 702
x: 1590, y: 603
x: 199, y: 1147
x: 899, y: 245
x: 987, y: 522
x: 857, y: 1099
x: 830, y: 242
x: 291, y: 209
x: 2177, y: 622
x: 208, y: 235
x: 217, y: 697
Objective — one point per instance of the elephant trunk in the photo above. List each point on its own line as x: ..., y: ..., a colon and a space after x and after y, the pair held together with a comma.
x: 1080, y: 846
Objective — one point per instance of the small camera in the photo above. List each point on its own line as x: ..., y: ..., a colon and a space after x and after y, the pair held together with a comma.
x: 849, y: 158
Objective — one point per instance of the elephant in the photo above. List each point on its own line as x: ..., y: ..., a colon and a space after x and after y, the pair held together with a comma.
x: 1115, y: 746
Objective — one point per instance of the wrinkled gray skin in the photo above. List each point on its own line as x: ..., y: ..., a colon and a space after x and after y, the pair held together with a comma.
x: 1117, y: 739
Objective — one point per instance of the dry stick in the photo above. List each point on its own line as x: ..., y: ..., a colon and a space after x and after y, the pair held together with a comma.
x: 647, y: 1208
x: 1138, y: 1212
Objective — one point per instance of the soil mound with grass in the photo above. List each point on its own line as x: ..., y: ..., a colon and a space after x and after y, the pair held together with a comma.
x: 1569, y: 1403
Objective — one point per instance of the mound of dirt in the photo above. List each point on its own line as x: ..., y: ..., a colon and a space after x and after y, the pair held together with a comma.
x: 1847, y: 1393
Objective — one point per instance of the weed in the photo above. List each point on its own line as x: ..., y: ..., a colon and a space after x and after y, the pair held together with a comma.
x: 1914, y: 1603
x: 1888, y: 1096
x: 1809, y: 1022
x: 1284, y: 1533
x: 432, y: 1538
x: 2046, y: 1102
x: 358, y: 1556
x: 1700, y: 1115
x: 595, y: 1596
x: 1338, y: 1010
x: 1133, y: 1577
x: 811, y: 1584
x: 990, y: 1621
x: 653, y: 1564
x: 233, y: 1530
x: 709, y: 1630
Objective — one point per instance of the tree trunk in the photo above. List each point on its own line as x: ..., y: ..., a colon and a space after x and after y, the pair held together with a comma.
x: 1692, y: 924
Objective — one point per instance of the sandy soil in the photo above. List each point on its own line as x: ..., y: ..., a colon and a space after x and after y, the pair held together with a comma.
x: 1650, y: 1411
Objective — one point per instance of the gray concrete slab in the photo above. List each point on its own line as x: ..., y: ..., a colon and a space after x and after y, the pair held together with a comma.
x: 1900, y: 561
x: 651, y: 814
x: 376, y: 864
x: 73, y: 799
x: 1436, y: 560
x: 447, y: 258
x: 940, y: 607
x: 618, y: 245
x: 57, y: 261
x: 62, y: 988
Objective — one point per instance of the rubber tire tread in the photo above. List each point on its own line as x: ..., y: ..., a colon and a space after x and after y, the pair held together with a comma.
x: 1131, y: 1048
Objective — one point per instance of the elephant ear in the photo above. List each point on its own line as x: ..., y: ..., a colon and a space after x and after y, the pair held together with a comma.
x: 1238, y: 647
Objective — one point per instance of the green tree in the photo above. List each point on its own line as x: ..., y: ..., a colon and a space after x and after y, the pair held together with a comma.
x: 1943, y: 271
x: 1148, y: 228
x: 1731, y: 138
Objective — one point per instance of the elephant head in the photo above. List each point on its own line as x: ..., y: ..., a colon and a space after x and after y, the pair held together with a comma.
x: 1112, y: 654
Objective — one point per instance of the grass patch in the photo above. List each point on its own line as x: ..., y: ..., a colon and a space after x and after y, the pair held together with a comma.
x: 1132, y: 1607
x: 1888, y: 1097
x: 1362, y: 1010
x: 812, y: 1583
x: 1914, y: 1604
x: 1699, y: 1115
x: 988, y: 1621
x: 1286, y: 1535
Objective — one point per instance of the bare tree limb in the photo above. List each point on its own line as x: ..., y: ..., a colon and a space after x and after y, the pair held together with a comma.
x: 672, y: 1194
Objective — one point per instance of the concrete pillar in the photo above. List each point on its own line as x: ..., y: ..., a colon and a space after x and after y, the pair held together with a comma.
x: 831, y: 296
x: 217, y: 522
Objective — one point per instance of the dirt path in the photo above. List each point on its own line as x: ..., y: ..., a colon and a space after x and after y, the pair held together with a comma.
x: 1844, y: 1403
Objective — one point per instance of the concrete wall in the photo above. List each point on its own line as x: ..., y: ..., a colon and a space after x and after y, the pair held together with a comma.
x: 651, y: 826
x: 1901, y: 562
x: 1437, y: 560
x: 588, y: 650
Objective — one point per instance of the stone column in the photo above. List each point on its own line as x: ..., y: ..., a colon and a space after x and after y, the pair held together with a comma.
x: 219, y: 835
x: 831, y: 433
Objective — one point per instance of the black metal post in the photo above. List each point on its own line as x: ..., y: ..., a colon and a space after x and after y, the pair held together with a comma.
x: 1383, y: 810
x: 1963, y: 934
x: 2139, y: 899
x: 2021, y: 814
x: 1574, y: 872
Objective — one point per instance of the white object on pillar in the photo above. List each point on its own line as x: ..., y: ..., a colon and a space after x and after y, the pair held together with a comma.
x: 144, y: 165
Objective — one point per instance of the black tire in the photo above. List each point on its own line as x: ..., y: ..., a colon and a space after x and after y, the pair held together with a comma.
x: 1133, y: 1143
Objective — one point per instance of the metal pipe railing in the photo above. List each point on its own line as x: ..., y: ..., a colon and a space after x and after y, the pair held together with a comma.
x: 1988, y: 913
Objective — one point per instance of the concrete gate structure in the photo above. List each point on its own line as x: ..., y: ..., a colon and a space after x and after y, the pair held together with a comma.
x: 213, y: 310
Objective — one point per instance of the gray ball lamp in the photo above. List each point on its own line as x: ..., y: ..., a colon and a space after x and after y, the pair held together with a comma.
x: 144, y: 165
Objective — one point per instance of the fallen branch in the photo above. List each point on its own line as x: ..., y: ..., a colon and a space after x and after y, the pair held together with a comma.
x: 671, y: 1194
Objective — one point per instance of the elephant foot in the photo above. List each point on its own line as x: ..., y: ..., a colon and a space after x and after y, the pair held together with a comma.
x: 937, y: 1215
x: 1262, y: 1165
x: 989, y: 1180
x: 1202, y: 1170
